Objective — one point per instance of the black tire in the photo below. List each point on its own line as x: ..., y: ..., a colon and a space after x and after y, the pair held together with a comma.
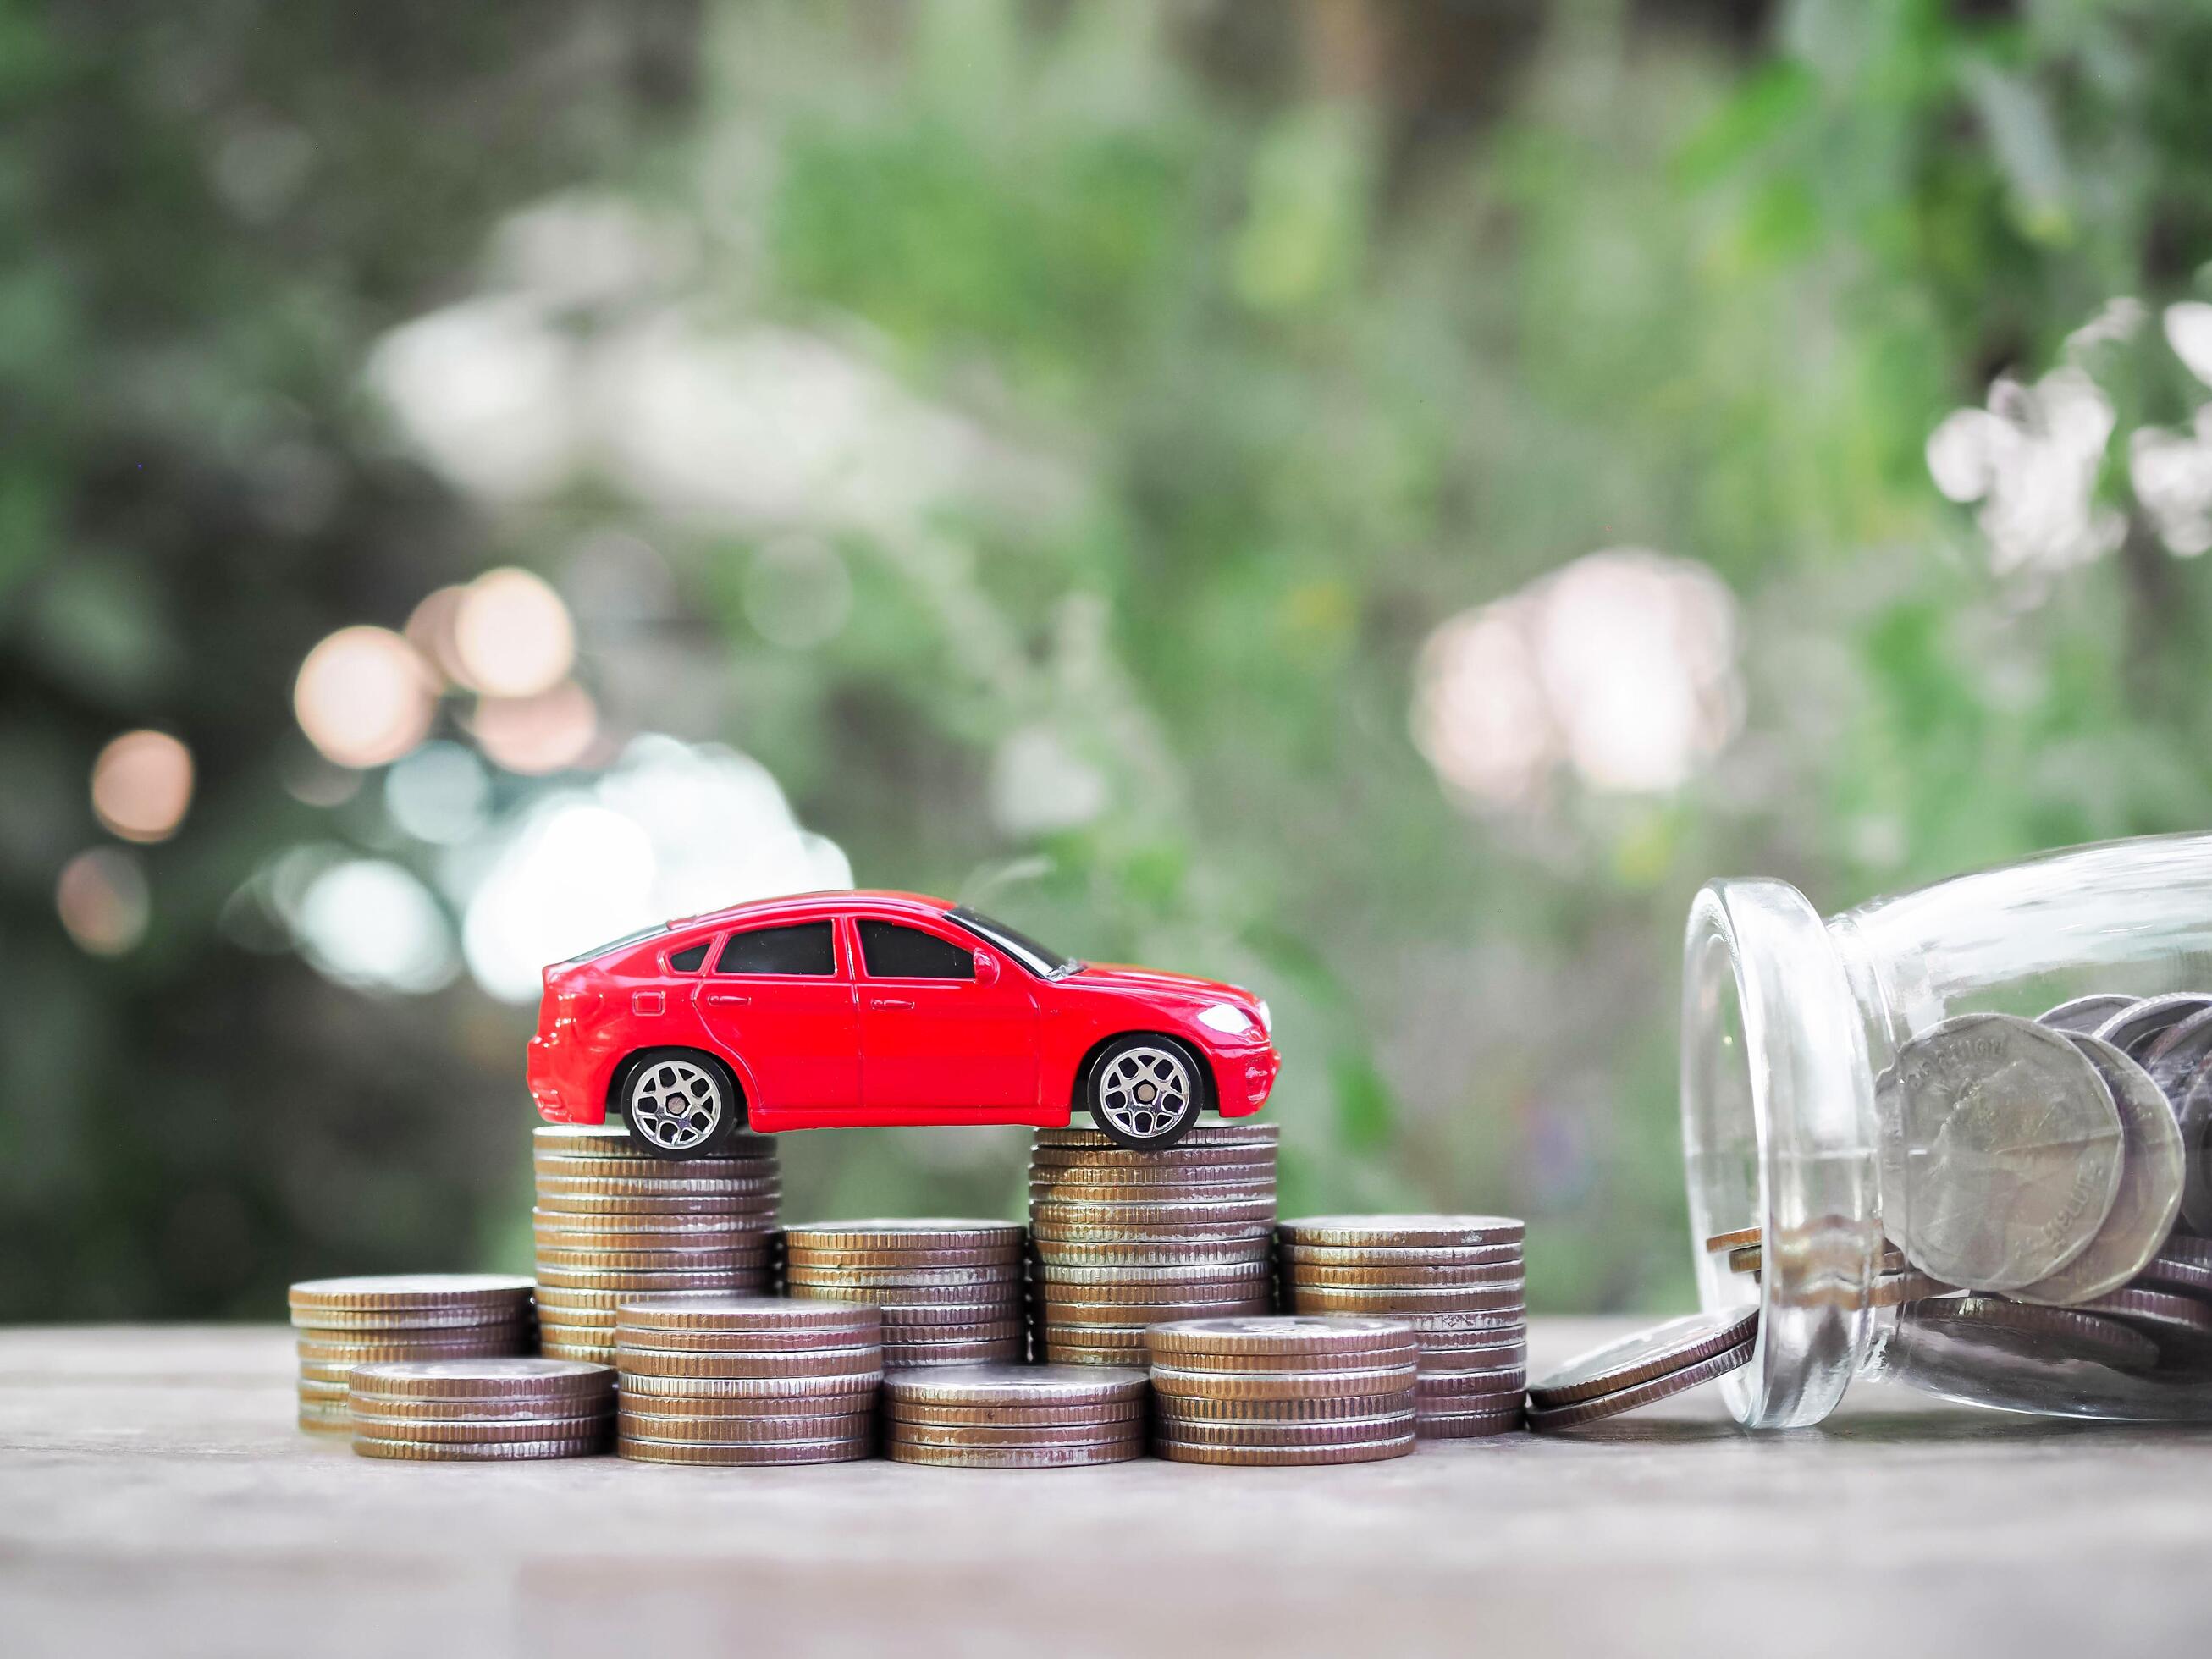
x: 1113, y: 1091
x: 655, y: 1079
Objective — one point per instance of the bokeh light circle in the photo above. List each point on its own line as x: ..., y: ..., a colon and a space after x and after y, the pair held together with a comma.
x: 364, y: 697
x: 142, y: 784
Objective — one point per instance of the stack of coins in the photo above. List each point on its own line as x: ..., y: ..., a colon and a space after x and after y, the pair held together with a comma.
x: 1457, y: 1279
x: 748, y: 1379
x: 1016, y: 1416
x: 346, y: 1322
x: 475, y: 1411
x: 1287, y: 1389
x: 614, y: 1222
x: 951, y: 1291
x: 1638, y: 1370
x: 1122, y: 1240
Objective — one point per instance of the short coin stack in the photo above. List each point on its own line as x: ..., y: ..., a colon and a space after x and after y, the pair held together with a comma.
x: 346, y: 1322
x: 748, y: 1379
x: 951, y: 1291
x: 1016, y: 1416
x: 1287, y: 1389
x: 614, y: 1222
x: 477, y: 1411
x: 1122, y: 1240
x: 1458, y: 1280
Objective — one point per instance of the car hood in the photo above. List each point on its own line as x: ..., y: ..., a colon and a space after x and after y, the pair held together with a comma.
x: 1153, y: 983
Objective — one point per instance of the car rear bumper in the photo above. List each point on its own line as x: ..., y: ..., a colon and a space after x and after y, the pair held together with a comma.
x: 558, y: 1097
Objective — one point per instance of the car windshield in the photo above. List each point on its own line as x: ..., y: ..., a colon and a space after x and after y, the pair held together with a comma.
x: 615, y: 943
x: 1044, y: 962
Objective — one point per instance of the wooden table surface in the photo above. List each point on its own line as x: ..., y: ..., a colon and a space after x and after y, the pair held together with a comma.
x: 155, y: 1499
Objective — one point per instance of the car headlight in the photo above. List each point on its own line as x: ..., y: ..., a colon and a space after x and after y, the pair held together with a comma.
x: 1222, y: 1018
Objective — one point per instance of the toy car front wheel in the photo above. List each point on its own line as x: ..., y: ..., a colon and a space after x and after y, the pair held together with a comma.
x: 680, y: 1103
x: 1143, y: 1092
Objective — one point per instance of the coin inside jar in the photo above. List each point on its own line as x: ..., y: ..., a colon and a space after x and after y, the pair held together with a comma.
x: 2001, y: 1151
x: 2085, y: 1014
x: 2149, y: 1197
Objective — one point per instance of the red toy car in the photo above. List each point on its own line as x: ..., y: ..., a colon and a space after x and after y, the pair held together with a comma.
x: 855, y: 1007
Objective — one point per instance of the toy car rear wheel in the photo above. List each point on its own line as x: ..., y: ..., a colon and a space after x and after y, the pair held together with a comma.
x: 1144, y: 1092
x: 681, y: 1103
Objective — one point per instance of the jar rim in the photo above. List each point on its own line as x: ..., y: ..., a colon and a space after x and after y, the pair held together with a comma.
x: 1779, y: 1129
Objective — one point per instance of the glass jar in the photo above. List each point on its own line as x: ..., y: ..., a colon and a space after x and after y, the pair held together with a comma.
x: 1800, y: 1038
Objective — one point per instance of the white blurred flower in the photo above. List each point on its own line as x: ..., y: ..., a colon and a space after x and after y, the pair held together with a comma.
x: 486, y: 390
x: 2171, y: 472
x: 2031, y: 459
x: 1039, y: 785
x: 1622, y: 665
x: 2189, y: 331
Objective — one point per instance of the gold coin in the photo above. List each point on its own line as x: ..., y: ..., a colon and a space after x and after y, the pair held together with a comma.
x: 613, y: 1230
x: 843, y: 1449
x: 1117, y: 1316
x: 1413, y: 1280
x: 905, y: 1236
x: 1051, y: 1235
x: 1197, y: 1136
x: 846, y: 1261
x: 646, y: 1280
x: 494, y: 1451
x: 1412, y: 1257
x: 1470, y: 1426
x: 856, y: 1386
x: 835, y: 1322
x: 906, y: 1279
x: 612, y: 1139
x: 1057, y: 1258
x: 1330, y: 1408
x: 662, y: 1181
x: 1120, y: 1451
x: 481, y: 1431
x: 565, y: 1302
x: 739, y: 1253
x: 498, y: 1293
x: 1358, y: 1451
x: 866, y: 1361
x: 1314, y: 1341
x: 328, y: 1324
x: 333, y: 1423
x: 955, y: 1434
x: 1280, y: 1385
x: 629, y: 1212
x: 1343, y: 1430
x: 1149, y: 1284
x: 568, y: 1166
x: 906, y: 1355
x: 1736, y: 1240
x: 579, y: 1348
x: 758, y: 1429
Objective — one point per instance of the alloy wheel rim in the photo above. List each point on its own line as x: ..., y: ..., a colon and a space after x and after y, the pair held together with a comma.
x: 1145, y: 1091
x: 675, y: 1104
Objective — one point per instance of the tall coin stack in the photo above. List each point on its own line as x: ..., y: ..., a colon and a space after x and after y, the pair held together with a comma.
x: 1122, y: 1240
x: 951, y: 1291
x: 1459, y: 1280
x: 1015, y: 1417
x: 476, y: 1411
x: 346, y: 1322
x: 1287, y: 1389
x: 748, y: 1379
x: 614, y: 1222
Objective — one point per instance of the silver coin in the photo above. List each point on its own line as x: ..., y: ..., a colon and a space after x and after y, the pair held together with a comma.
x: 2085, y: 1014
x: 2001, y: 1151
x: 2193, y: 1107
x: 2135, y: 1028
x: 2151, y: 1176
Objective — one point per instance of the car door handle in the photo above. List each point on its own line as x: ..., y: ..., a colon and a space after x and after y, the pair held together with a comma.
x: 889, y: 1002
x: 727, y: 998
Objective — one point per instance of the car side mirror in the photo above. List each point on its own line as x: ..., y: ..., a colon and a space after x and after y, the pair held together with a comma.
x: 987, y: 969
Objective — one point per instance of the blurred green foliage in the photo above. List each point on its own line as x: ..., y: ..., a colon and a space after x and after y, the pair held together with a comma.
x: 1307, y: 327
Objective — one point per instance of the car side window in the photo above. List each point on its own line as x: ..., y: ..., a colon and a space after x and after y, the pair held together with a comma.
x: 687, y: 960
x: 805, y: 949
x: 895, y: 952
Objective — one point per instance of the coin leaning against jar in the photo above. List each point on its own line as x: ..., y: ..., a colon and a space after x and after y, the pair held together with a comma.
x: 2001, y: 1151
